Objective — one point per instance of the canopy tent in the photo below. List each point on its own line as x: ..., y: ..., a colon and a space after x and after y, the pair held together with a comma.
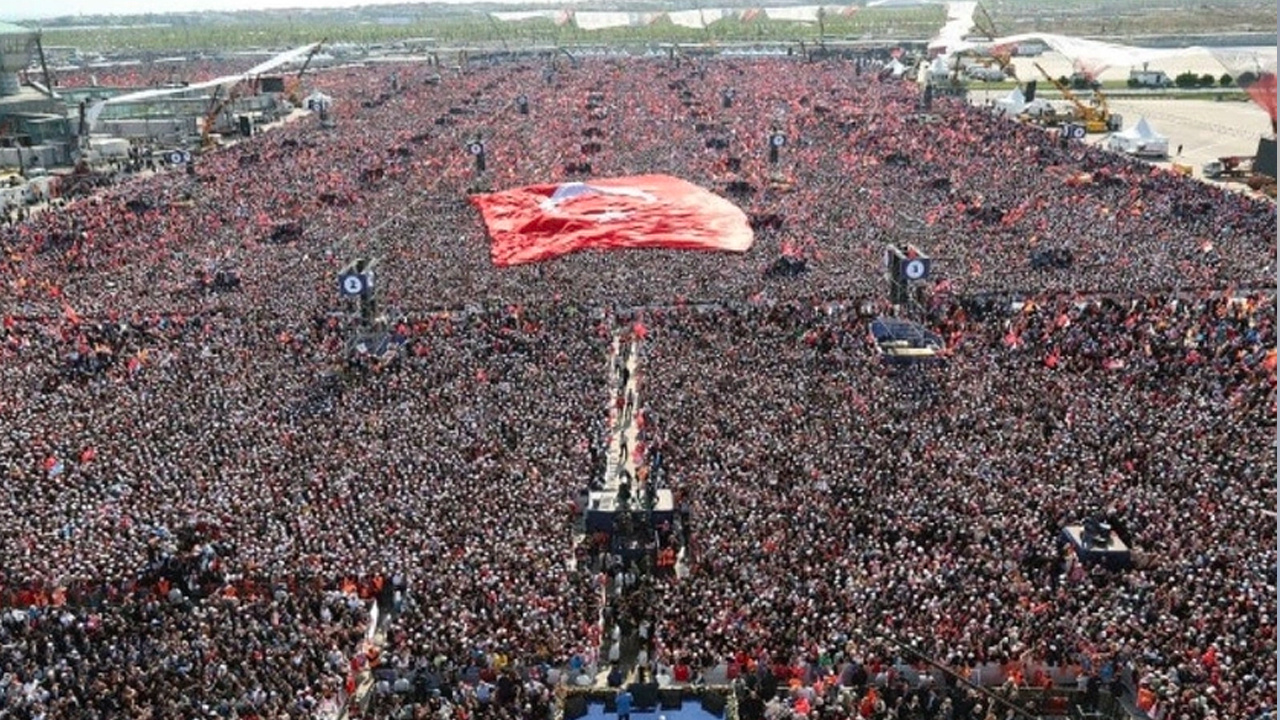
x: 696, y: 19
x: 1013, y: 103
x: 541, y: 222
x: 797, y: 13
x: 1140, y: 140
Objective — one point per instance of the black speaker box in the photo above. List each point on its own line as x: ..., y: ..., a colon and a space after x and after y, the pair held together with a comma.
x: 575, y: 706
x: 645, y: 694
x: 670, y: 698
x: 713, y: 702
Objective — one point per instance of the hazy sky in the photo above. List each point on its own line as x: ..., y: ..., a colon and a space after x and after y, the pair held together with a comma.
x: 18, y: 10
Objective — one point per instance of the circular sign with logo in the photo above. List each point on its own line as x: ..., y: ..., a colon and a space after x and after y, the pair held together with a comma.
x: 778, y: 140
x: 352, y: 285
x: 523, y: 99
x: 475, y: 148
x: 914, y: 269
x: 176, y: 157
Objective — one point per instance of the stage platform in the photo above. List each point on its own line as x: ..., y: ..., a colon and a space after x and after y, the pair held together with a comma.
x: 1114, y: 554
x: 601, y: 507
x: 689, y: 710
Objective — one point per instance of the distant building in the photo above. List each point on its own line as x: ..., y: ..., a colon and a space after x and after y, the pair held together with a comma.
x: 1149, y: 78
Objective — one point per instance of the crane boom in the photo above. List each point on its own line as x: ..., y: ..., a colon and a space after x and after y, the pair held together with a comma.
x: 988, y: 28
x: 306, y: 63
x: 1097, y: 117
x: 1064, y: 89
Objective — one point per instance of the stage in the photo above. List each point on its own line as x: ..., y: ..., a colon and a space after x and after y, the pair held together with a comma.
x: 1113, y: 553
x: 602, y: 508
x: 689, y: 710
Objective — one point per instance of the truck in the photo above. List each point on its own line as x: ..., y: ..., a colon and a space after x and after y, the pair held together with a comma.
x: 1228, y: 167
x: 1240, y: 168
x: 1145, y: 78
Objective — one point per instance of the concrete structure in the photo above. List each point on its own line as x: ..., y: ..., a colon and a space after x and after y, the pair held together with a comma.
x: 34, y: 130
x: 17, y: 45
x: 171, y: 129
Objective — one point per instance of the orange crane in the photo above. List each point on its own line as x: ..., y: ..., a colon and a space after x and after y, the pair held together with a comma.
x: 1095, y: 117
x: 216, y: 105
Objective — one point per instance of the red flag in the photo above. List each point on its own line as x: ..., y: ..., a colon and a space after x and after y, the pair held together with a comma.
x: 70, y: 314
x: 540, y: 222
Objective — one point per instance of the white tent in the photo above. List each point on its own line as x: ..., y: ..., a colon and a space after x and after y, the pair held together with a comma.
x: 601, y: 20
x: 1140, y: 140
x: 696, y: 19
x: 940, y: 68
x: 1013, y: 103
x: 798, y: 13
x: 523, y: 15
x: 1099, y: 53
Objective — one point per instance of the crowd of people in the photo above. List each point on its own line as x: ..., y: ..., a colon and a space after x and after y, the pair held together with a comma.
x: 832, y: 502
x: 199, y: 485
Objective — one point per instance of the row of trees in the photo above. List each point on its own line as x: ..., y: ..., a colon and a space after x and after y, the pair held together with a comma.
x: 1189, y: 80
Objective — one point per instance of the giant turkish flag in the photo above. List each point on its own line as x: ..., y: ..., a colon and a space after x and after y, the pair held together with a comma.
x: 540, y: 222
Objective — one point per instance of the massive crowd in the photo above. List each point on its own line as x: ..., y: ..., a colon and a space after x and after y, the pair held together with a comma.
x: 201, y: 493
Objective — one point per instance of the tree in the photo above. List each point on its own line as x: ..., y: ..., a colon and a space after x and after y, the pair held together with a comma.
x: 1206, y: 80
x: 1246, y: 79
x: 1225, y: 80
x: 1186, y: 80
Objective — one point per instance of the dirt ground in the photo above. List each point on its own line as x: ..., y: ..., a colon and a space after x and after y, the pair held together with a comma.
x: 1205, y: 129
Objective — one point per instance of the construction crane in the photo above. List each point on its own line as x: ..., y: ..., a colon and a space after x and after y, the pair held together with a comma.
x: 294, y: 92
x: 44, y: 67
x: 1113, y: 121
x: 1096, y: 118
x: 217, y: 104
x: 1001, y: 55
